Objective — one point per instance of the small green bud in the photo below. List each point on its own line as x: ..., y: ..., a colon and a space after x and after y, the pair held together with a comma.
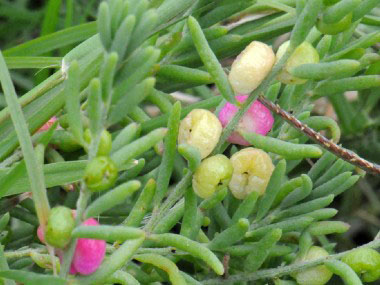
x: 318, y: 275
x: 206, y: 222
x: 105, y: 143
x: 304, y: 53
x: 59, y: 227
x: 365, y: 261
x: 100, y: 174
x: 200, y: 129
x: 213, y: 174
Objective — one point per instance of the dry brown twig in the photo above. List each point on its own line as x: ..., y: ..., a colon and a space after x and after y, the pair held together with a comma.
x: 327, y: 144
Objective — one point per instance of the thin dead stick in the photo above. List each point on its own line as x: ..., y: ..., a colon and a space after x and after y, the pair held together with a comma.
x: 327, y: 144
x: 226, y: 261
x: 13, y: 202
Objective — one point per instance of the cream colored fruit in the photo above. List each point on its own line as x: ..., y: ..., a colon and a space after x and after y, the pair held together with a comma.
x: 212, y: 175
x: 304, y: 53
x: 252, y: 171
x: 251, y: 67
x: 318, y: 275
x: 200, y: 129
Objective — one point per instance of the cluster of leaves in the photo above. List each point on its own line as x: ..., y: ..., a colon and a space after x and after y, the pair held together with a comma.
x: 119, y: 77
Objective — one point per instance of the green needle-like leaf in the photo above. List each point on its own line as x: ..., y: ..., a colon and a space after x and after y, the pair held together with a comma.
x: 34, y: 168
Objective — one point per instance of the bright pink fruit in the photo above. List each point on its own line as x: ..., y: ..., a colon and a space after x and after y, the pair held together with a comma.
x: 257, y: 119
x: 89, y: 253
x: 41, y: 234
x: 72, y: 271
x: 48, y: 124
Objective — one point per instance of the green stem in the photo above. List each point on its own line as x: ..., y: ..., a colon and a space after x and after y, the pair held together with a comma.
x: 84, y: 196
x: 163, y: 251
x: 23, y: 253
x: 285, y: 270
x: 16, y: 156
x: 174, y: 196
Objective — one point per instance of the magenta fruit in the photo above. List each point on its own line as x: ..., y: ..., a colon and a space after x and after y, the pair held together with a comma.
x: 258, y: 119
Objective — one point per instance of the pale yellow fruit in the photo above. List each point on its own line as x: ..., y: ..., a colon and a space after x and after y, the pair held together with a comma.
x: 251, y: 67
x: 200, y: 129
x: 318, y: 275
x: 304, y: 53
x: 252, y: 171
x: 212, y: 174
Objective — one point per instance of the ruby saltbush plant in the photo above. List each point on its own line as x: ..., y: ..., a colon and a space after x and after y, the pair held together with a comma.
x: 108, y: 177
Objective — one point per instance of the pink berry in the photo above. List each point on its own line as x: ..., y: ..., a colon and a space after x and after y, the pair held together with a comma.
x: 257, y: 119
x: 40, y: 234
x: 48, y: 124
x: 72, y: 270
x: 89, y: 253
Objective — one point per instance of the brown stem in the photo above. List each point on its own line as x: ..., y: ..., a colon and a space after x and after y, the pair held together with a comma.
x: 327, y: 144
x: 226, y: 261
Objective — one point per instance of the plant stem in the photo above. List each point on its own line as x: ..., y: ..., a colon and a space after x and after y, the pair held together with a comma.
x: 285, y: 270
x: 82, y: 201
x: 16, y: 156
x: 23, y: 253
x: 84, y: 196
x: 174, y: 196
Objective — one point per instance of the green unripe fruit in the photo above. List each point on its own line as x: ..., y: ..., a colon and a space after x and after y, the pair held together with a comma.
x: 105, y: 143
x: 318, y: 275
x: 213, y: 174
x: 334, y: 28
x: 206, y: 222
x: 304, y: 53
x: 100, y: 174
x: 59, y: 226
x: 365, y: 261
